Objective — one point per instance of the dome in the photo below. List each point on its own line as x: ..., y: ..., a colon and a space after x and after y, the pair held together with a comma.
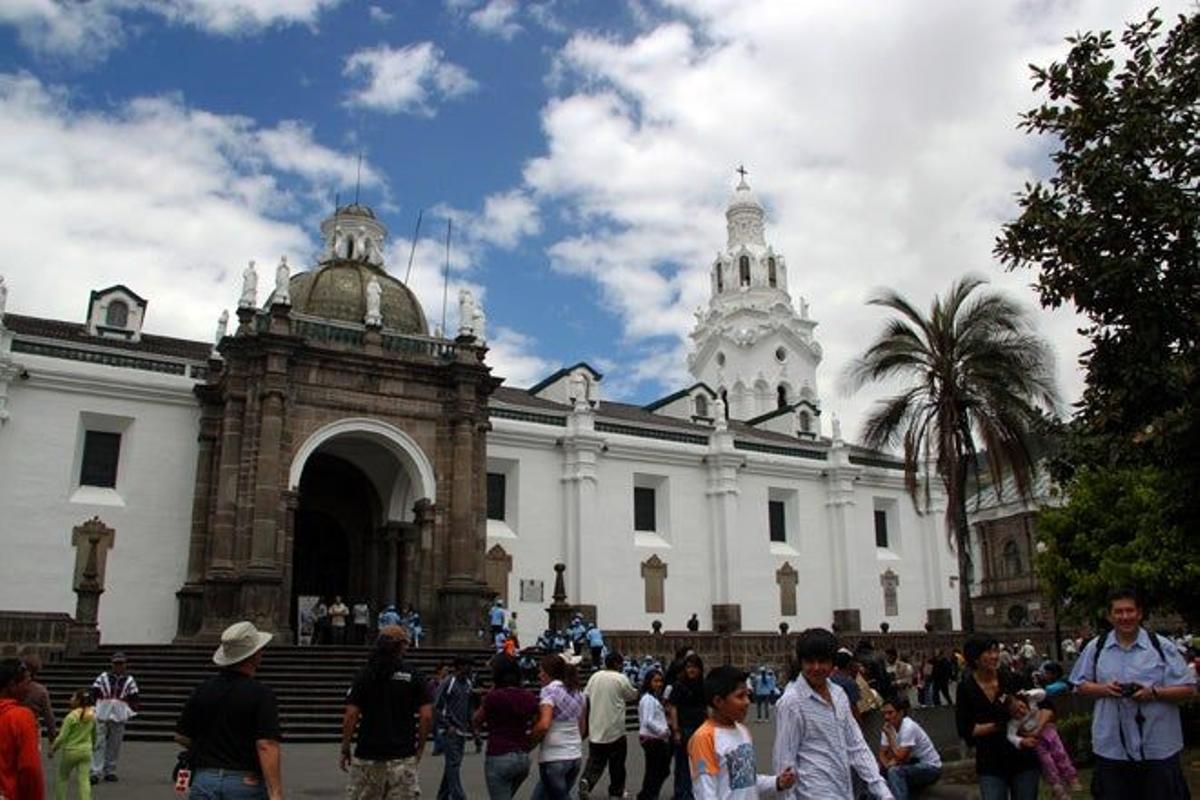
x: 743, y: 197
x: 337, y: 290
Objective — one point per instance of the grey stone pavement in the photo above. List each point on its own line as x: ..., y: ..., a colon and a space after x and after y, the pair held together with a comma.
x: 311, y: 770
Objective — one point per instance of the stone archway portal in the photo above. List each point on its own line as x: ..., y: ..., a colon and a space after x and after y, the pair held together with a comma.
x: 362, y: 514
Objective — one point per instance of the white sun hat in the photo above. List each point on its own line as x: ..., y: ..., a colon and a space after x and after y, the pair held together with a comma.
x: 238, y: 642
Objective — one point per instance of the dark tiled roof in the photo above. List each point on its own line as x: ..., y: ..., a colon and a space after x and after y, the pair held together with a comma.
x: 544, y: 382
x: 76, y: 333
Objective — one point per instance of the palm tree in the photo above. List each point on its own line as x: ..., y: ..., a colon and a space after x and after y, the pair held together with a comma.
x: 977, y: 380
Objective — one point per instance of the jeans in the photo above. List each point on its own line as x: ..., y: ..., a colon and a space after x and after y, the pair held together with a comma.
x: 451, y: 787
x: 227, y: 784
x: 762, y: 708
x: 1021, y: 786
x: 109, y: 736
x: 612, y: 755
x: 504, y: 774
x: 658, y: 767
x: 557, y: 779
x: 903, y: 778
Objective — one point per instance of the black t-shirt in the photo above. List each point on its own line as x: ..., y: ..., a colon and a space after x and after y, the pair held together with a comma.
x: 688, y: 699
x: 224, y: 718
x: 389, y: 706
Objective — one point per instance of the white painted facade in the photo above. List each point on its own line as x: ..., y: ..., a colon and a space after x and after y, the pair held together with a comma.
x: 570, y: 460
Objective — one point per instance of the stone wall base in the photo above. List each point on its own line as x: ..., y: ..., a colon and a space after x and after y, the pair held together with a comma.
x: 727, y: 617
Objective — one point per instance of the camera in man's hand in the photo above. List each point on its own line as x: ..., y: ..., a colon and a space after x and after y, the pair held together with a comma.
x: 1130, y: 689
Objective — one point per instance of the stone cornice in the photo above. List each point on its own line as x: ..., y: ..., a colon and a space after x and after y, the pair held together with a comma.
x: 125, y: 387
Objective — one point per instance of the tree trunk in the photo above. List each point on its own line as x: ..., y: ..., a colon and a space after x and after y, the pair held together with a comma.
x: 962, y: 544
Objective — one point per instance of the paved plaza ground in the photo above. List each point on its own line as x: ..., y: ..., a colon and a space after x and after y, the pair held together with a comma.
x: 311, y: 770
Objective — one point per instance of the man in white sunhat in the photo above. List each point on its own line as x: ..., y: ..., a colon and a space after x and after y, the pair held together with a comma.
x: 230, y: 724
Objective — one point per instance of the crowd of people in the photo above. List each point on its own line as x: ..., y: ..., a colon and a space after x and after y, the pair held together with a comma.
x: 842, y: 720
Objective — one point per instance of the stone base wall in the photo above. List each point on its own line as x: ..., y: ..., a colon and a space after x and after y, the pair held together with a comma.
x: 50, y: 634
x: 752, y: 649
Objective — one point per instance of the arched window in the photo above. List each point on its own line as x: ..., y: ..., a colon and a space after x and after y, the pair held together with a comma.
x: 720, y: 280
x: 1012, y: 559
x: 701, y: 406
x: 744, y: 270
x: 117, y: 315
x: 725, y: 399
x: 771, y: 276
x: 781, y: 399
x: 805, y: 422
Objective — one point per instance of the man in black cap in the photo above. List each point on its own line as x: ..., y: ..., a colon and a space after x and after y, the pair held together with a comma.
x: 115, y: 694
x: 230, y: 724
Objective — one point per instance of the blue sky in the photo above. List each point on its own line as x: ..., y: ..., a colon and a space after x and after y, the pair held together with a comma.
x: 583, y: 149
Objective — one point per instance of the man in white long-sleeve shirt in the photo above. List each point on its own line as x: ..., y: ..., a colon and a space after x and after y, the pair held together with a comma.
x: 815, y: 732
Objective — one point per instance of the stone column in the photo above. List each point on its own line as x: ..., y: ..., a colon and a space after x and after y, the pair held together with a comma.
x: 191, y: 594
x: 722, y: 494
x: 462, y: 539
x: 391, y: 539
x: 267, y: 484
x: 228, y: 472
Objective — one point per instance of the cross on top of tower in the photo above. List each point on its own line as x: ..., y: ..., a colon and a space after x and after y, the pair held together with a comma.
x: 741, y: 170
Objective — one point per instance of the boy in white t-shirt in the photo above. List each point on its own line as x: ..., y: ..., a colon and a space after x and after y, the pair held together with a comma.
x: 721, y: 751
x: 909, y: 759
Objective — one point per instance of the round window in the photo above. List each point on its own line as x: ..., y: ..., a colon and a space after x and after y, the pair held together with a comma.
x: 780, y: 354
x: 720, y: 359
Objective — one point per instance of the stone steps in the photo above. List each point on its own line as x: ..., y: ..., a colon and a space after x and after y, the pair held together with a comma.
x: 310, y: 683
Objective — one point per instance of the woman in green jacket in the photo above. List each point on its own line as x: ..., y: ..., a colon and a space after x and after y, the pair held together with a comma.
x: 76, y: 739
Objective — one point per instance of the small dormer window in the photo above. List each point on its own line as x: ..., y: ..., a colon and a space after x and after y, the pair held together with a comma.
x: 701, y: 406
x: 772, y: 280
x: 744, y: 270
x: 805, y: 422
x: 117, y: 314
x: 781, y: 400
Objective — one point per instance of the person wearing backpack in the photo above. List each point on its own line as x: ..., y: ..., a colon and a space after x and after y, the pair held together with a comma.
x: 1137, y: 679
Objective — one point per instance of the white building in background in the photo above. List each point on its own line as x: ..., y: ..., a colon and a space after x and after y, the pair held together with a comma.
x: 729, y: 498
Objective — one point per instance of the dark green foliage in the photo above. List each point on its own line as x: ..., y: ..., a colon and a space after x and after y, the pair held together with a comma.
x: 976, y: 379
x: 1115, y: 231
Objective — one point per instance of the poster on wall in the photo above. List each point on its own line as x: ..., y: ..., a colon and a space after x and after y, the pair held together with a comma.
x: 306, y: 618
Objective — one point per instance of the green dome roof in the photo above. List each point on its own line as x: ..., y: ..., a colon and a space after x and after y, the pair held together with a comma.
x: 337, y: 290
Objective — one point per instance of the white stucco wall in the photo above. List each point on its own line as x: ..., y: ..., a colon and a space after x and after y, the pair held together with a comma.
x: 535, y: 535
x: 150, y: 509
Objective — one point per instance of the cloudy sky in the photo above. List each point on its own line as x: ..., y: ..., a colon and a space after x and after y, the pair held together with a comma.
x: 584, y: 151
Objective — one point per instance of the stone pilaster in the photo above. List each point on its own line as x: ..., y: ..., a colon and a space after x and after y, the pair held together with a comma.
x: 839, y: 503
x: 581, y: 451
x: 95, y: 536
x: 723, y: 495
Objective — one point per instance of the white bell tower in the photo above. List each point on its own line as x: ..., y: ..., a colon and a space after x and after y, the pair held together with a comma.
x: 751, y: 345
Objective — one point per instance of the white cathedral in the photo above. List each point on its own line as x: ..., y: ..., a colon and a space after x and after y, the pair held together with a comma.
x: 328, y: 443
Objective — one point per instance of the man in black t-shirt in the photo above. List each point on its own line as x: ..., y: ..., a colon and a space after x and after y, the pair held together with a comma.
x: 230, y: 724
x: 389, y: 704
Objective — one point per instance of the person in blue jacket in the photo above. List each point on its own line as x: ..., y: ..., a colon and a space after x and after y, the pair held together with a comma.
x: 765, y: 686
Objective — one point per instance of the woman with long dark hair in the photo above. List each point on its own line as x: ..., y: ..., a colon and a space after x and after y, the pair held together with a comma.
x: 982, y: 715
x: 508, y: 712
x: 560, y: 727
x: 655, y: 734
x: 686, y: 709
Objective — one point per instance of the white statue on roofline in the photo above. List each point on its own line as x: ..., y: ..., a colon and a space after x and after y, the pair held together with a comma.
x: 249, y: 298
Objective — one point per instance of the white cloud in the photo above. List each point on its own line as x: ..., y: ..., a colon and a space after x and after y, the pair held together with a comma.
x: 379, y: 14
x: 511, y: 356
x: 88, y: 31
x: 496, y: 18
x: 404, y: 80
x: 884, y: 144
x: 102, y: 201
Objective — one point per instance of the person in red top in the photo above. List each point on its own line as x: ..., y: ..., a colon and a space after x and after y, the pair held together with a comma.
x: 20, y: 763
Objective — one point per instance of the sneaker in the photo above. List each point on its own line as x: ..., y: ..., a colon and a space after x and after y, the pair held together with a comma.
x: 585, y: 789
x: 110, y: 779
x: 94, y: 779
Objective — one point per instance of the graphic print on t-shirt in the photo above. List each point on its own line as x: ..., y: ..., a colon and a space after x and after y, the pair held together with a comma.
x: 739, y: 764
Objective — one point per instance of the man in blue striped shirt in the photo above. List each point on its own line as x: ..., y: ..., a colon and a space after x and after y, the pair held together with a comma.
x: 1137, y: 682
x: 815, y: 731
